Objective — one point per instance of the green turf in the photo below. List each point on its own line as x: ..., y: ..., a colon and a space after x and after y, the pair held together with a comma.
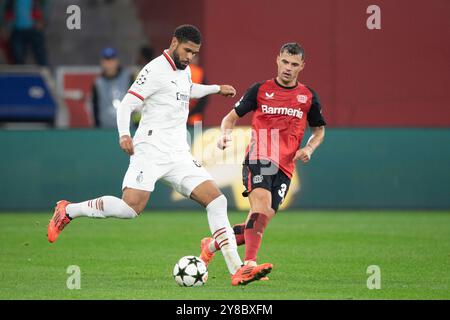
x: 316, y: 255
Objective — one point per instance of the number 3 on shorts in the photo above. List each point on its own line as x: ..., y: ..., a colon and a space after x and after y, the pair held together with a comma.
x: 282, y: 191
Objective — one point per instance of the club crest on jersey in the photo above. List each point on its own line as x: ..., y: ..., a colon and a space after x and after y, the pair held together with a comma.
x: 270, y: 95
x: 140, y: 177
x: 302, y: 98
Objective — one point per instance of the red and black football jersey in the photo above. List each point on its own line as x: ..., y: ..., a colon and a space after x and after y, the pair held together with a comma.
x: 279, y: 120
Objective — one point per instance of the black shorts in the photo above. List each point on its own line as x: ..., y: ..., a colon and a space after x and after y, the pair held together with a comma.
x: 276, y: 182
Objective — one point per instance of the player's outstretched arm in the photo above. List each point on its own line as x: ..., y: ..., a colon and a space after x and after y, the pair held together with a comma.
x: 304, y: 154
x: 227, y: 126
x: 200, y: 90
x: 127, y: 106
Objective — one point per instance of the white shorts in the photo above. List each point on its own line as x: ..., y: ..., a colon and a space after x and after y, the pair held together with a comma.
x: 149, y: 165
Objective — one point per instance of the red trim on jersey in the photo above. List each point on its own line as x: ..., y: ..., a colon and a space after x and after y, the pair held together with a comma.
x: 169, y: 59
x: 136, y: 94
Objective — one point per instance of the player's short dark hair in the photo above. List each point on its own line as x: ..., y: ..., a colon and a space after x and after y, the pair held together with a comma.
x: 188, y: 32
x: 293, y: 48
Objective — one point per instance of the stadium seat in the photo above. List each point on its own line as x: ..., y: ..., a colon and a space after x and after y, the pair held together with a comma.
x: 27, y: 96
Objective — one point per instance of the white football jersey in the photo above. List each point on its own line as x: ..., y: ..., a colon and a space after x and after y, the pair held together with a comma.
x: 165, y: 91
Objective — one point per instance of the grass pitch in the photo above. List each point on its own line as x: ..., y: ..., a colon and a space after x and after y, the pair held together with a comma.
x: 316, y: 255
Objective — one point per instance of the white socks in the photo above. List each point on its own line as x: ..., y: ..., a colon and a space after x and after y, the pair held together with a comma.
x: 103, y: 207
x: 212, y: 246
x: 223, y: 233
x: 109, y: 206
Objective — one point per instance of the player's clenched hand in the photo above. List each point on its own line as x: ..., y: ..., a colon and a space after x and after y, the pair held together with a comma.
x: 126, y: 143
x: 227, y: 91
x: 303, y: 154
x: 222, y: 143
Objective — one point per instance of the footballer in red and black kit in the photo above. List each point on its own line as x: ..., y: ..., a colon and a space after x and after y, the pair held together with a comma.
x: 282, y: 108
x: 279, y: 121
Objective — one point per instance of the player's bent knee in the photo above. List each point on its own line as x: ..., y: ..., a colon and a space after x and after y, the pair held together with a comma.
x: 269, y: 212
x: 137, y: 209
x: 222, y: 200
x: 219, y: 201
x: 206, y: 193
x: 136, y: 199
x: 265, y: 210
x: 262, y: 204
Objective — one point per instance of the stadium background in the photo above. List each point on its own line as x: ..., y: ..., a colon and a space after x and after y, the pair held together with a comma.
x: 385, y: 96
x: 376, y: 193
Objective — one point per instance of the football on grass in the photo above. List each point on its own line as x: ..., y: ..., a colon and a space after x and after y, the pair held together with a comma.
x: 190, y: 271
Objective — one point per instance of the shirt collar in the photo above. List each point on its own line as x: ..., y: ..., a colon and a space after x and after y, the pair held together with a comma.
x: 169, y: 59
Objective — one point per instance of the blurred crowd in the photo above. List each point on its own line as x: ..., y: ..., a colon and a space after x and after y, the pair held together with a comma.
x: 22, y: 30
x: 23, y: 26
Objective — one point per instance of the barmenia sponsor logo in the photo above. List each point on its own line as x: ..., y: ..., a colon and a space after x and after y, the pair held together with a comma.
x: 282, y: 110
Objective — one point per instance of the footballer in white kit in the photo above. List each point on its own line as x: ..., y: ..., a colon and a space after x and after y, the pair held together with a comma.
x: 159, y: 150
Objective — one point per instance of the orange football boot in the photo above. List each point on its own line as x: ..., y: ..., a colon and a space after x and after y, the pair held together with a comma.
x: 247, y: 274
x: 58, y: 222
x: 206, y: 255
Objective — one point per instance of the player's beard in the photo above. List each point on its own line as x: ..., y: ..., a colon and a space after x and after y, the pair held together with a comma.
x: 176, y: 60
